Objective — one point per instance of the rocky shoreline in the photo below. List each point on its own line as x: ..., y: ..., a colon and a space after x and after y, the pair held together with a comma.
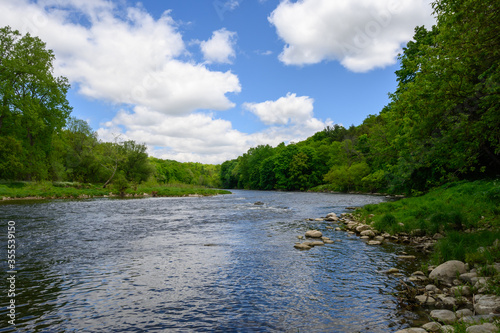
x: 451, y: 294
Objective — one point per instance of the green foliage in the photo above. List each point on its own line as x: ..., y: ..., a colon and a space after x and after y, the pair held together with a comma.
x: 173, y: 172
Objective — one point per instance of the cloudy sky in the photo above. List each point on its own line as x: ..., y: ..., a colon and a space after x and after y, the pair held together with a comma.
x: 204, y: 80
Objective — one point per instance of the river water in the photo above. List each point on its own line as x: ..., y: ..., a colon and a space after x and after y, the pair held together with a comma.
x: 211, y: 264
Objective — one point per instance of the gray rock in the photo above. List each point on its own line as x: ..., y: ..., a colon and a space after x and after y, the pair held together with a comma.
x: 425, y: 300
x: 444, y: 316
x: 431, y: 287
x: 328, y: 241
x: 448, y: 271
x: 447, y: 329
x: 464, y: 313
x: 461, y: 291
x: 467, y: 277
x: 374, y: 242
x: 484, y: 328
x: 432, y: 327
x: 487, y: 304
x: 317, y: 243
x: 314, y: 234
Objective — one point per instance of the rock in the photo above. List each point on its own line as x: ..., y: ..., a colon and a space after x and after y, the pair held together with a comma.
x: 432, y: 327
x: 412, y: 330
x: 437, y: 236
x: 406, y: 257
x: 467, y: 277
x: 319, y: 219
x: 447, y: 329
x: 487, y: 304
x: 484, y: 328
x: 337, y: 229
x: 448, y: 271
x: 374, y: 242
x: 368, y: 233
x: 464, y: 313
x: 444, y: 316
x: 362, y: 228
x: 392, y: 271
x: 328, y: 241
x: 314, y: 234
x: 302, y: 246
x: 300, y: 237
x: 461, y: 291
x: 431, y: 288
x: 258, y: 203
x: 379, y: 238
x: 331, y: 217
x: 480, y: 319
x: 317, y: 243
x: 425, y: 300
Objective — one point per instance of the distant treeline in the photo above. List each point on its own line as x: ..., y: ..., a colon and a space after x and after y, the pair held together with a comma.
x: 442, y: 124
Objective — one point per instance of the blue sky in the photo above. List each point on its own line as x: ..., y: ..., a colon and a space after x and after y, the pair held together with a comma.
x: 204, y: 80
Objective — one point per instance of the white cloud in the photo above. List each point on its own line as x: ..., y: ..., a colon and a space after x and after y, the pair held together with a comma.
x: 122, y: 55
x: 220, y: 47
x: 200, y: 136
x: 284, y: 110
x: 361, y: 34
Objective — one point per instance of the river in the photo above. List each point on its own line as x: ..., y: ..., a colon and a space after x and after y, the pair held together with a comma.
x: 211, y: 264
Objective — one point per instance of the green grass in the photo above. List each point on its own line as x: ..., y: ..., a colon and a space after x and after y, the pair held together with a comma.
x: 76, y: 190
x: 467, y: 213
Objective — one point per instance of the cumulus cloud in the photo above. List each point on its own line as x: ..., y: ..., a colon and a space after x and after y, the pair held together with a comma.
x: 220, y: 47
x: 122, y: 55
x: 284, y: 110
x: 202, y: 137
x: 361, y: 34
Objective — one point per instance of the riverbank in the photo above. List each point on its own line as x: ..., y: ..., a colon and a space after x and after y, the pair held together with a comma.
x: 74, y: 190
x: 456, y: 296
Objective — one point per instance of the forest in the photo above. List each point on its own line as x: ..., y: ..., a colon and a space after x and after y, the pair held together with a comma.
x: 442, y: 123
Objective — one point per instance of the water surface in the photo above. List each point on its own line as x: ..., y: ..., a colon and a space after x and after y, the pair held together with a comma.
x: 207, y: 264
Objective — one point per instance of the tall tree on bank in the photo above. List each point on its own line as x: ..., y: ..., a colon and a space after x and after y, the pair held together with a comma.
x: 33, y: 104
x: 448, y: 98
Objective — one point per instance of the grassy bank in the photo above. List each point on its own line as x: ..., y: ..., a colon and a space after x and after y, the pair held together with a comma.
x: 55, y: 190
x: 467, y: 214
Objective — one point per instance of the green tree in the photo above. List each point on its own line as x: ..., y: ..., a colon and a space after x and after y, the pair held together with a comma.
x: 33, y: 104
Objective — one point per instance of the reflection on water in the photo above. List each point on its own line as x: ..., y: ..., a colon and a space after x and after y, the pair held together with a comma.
x: 196, y: 264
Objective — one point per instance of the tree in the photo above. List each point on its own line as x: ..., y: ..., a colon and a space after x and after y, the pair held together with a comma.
x: 33, y: 104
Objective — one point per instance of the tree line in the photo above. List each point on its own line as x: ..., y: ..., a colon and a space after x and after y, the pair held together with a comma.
x: 40, y: 140
x: 441, y: 124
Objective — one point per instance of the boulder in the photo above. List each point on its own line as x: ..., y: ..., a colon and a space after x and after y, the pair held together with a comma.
x: 392, y: 271
x: 448, y: 271
x: 374, y: 242
x: 317, y: 243
x: 314, y: 234
x: 484, y: 328
x: 444, y: 316
x: 487, y: 304
x: 329, y: 241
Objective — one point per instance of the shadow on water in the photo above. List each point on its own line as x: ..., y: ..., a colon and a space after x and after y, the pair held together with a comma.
x: 198, y: 264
